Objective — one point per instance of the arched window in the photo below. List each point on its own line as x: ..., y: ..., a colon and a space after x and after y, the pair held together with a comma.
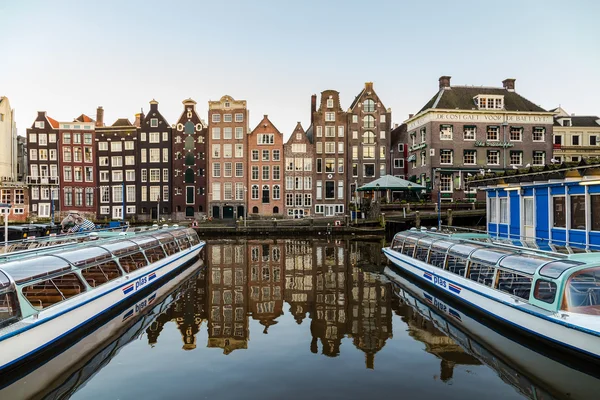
x: 200, y: 209
x: 189, y: 159
x: 255, y: 210
x: 254, y: 192
x: 368, y: 137
x: 265, y: 194
x: 368, y: 105
x: 189, y: 175
x: 276, y: 192
x: 368, y: 121
x: 275, y: 210
x: 189, y: 127
x: 178, y: 155
x: 189, y: 143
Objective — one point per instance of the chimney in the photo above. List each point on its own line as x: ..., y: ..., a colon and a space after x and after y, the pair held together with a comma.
x: 369, y: 86
x: 509, y: 84
x: 410, y: 116
x: 445, y: 82
x: 138, y: 120
x: 153, y: 105
x: 313, y: 108
x: 99, y: 116
x: 396, y: 126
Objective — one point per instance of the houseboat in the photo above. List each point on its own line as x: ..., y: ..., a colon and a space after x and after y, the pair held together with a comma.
x: 552, y: 297
x: 534, y: 373
x: 48, y: 296
x: 73, y: 365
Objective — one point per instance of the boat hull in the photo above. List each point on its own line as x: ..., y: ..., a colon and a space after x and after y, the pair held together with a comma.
x: 551, y: 328
x: 34, y: 336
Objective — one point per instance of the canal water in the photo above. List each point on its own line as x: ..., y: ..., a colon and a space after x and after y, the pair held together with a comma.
x: 320, y: 319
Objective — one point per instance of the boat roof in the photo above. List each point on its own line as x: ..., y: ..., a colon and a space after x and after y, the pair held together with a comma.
x: 506, y: 256
x: 58, y: 260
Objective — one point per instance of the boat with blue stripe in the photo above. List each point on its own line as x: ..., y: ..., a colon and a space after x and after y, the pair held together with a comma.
x: 552, y: 297
x: 48, y: 294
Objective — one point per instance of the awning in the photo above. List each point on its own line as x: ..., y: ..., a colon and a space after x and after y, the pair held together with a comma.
x: 412, y: 157
x: 389, y: 182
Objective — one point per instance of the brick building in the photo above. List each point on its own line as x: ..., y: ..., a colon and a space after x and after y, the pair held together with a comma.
x: 43, y: 179
x: 265, y: 161
x: 118, y: 168
x: 227, y: 143
x: 399, y: 153
x: 329, y: 139
x: 299, y: 278
x: 189, y: 164
x: 298, y: 162
x: 369, y: 124
x: 465, y: 129
x: 153, y: 160
x: 78, y: 166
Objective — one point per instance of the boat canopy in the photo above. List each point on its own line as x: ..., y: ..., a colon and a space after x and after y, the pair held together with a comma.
x: 555, y: 269
x: 122, y: 247
x: 35, y: 267
x: 490, y: 256
x: 86, y: 255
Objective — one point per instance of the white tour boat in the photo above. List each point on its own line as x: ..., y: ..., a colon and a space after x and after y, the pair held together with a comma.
x: 552, y: 297
x: 46, y: 297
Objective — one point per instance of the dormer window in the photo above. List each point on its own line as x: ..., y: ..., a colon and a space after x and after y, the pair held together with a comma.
x: 566, y: 122
x: 489, y: 102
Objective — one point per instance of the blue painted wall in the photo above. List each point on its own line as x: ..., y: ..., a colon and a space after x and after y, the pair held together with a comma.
x: 542, y: 213
x: 515, y: 214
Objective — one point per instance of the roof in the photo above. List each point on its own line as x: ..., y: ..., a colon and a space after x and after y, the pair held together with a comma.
x: 461, y: 98
x: 83, y: 118
x: 309, y: 134
x: 122, y: 122
x: 392, y: 183
x: 53, y: 122
x: 580, y: 120
x: 356, y: 99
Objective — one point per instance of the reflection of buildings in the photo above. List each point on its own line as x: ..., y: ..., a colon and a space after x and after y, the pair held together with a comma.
x: 370, y: 313
x: 299, y: 278
x: 266, y: 283
x: 436, y: 342
x: 329, y: 323
x: 227, y: 294
x: 187, y: 312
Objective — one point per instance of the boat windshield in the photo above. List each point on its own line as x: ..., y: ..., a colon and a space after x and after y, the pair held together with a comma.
x: 582, y: 292
x: 31, y: 268
x: 556, y: 268
x: 9, y: 309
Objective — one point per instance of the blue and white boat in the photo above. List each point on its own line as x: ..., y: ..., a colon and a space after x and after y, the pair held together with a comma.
x: 46, y: 296
x: 552, y: 297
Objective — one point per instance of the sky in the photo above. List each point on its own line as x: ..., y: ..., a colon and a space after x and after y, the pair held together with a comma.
x: 69, y: 57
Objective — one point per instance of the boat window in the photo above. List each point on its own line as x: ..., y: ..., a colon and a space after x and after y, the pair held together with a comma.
x: 183, y: 242
x: 27, y: 269
x: 437, y: 258
x: 9, y: 307
x: 544, y: 291
x: 398, y: 241
x: 4, y: 281
x: 408, y: 248
x: 145, y: 242
x: 52, y: 291
x: 524, y: 262
x: 482, y: 273
x: 101, y: 273
x: 154, y: 254
x: 464, y: 250
x: 133, y: 261
x: 456, y: 265
x: 121, y: 247
x: 556, y: 268
x: 171, y: 247
x: 488, y: 256
x: 194, y: 239
x: 514, y: 284
x: 421, y: 252
x: 582, y: 292
x: 164, y: 237
x: 86, y: 255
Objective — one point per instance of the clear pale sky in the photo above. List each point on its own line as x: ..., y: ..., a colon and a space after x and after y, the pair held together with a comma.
x: 68, y: 57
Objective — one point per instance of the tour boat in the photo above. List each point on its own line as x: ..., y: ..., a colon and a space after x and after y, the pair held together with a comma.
x: 552, y: 297
x: 48, y: 296
x: 525, y: 366
x: 73, y: 365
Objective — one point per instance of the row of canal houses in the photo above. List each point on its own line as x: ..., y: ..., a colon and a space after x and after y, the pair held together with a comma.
x: 147, y: 168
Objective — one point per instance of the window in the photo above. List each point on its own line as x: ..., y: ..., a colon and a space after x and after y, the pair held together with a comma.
x: 89, y: 196
x: 446, y: 183
x: 368, y: 105
x: 265, y: 155
x: 492, y: 133
x: 577, y: 212
x: 239, y: 170
x: 52, y: 153
x: 329, y: 165
x: 330, y: 131
x: 592, y: 143
x: 307, y: 183
x: 539, y: 157
x: 77, y: 137
x: 329, y: 116
x: 329, y: 147
x: 33, y: 138
x: 423, y: 159
x: 516, y: 134
x: 446, y: 132
x: 117, y: 176
x: 143, y: 156
x: 319, y: 147
x: 227, y: 150
x: 104, y: 175
x: 265, y: 194
x: 368, y: 170
x: 102, y: 146
x: 153, y: 122
x: 143, y: 136
x: 469, y: 133
x: 129, y: 160
x: 216, y: 118
x: 289, y: 199
x: 340, y: 131
x: 369, y: 152
x: 87, y: 154
x: 319, y: 165
x: 227, y: 170
x: 239, y: 150
x: 227, y: 191
x: 77, y: 154
x: 144, y: 175
x: 489, y: 102
x: 504, y: 210
x: 276, y: 155
x: 340, y: 190
x: 216, y: 170
x: 398, y: 162
x: 43, y: 139
x: 382, y: 152
x: 266, y: 138
x: 493, y: 157
x: 254, y: 192
x: 216, y: 150
x: 130, y: 193
x: 368, y: 121
x: 446, y: 157
x: 227, y: 133
x: 340, y: 165
x: 117, y: 194
x: 154, y: 137
x: 116, y: 161
x: 595, y: 205
x: 227, y: 118
x: 265, y: 172
x: 216, y: 133
x: 276, y: 173
x: 382, y: 134
x: 575, y: 140
x: 539, y: 133
x: 130, y: 175
x: 470, y: 157
x: 255, y: 172
x: 44, y: 155
x: 308, y: 164
x: 559, y: 212
x: 154, y: 175
x: 330, y: 189
x: 116, y: 146
x: 154, y: 155
x: 516, y: 157
x: 239, y: 117
x: 329, y: 103
x: 319, y: 131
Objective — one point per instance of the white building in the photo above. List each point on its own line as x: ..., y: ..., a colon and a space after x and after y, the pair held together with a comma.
x: 8, y: 142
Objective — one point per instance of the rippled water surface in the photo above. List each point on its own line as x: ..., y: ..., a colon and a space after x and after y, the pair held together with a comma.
x: 294, y: 319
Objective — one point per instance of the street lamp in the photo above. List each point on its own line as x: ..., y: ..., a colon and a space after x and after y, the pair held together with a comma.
x: 245, y: 205
x: 439, y: 198
x: 391, y: 160
x: 158, y: 209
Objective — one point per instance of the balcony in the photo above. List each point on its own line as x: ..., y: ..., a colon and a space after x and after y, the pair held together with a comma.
x: 556, y: 146
x: 42, y: 180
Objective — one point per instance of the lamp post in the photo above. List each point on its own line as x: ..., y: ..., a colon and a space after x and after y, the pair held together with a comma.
x: 158, y: 209
x: 355, y: 201
x: 245, y: 205
x: 439, y: 198
x: 51, y: 206
x: 391, y: 160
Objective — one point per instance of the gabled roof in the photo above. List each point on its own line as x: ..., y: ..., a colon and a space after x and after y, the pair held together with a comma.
x: 461, y: 98
x: 267, y: 121
x: 389, y: 182
x: 297, y: 129
x: 580, y: 120
x: 53, y: 122
x: 83, y: 118
x: 122, y: 122
x: 309, y: 134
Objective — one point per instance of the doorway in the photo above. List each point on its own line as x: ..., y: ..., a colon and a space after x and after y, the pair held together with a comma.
x: 528, y: 218
x: 227, y: 212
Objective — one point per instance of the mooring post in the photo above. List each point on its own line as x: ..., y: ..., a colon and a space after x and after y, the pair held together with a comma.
x: 449, y: 217
x: 417, y: 219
